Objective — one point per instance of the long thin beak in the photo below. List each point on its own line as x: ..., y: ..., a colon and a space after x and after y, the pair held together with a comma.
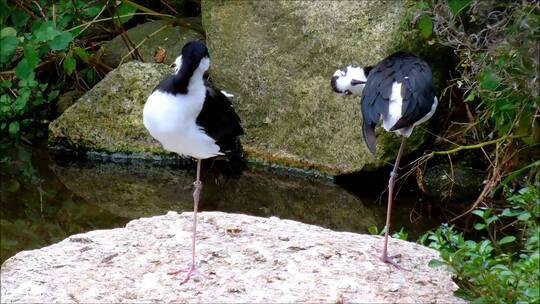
x: 356, y: 82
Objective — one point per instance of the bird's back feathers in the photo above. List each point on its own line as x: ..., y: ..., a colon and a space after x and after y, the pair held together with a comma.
x: 219, y: 120
x: 417, y: 93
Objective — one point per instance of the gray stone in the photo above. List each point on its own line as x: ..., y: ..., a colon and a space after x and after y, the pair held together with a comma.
x: 277, y: 57
x: 159, y: 33
x: 245, y: 259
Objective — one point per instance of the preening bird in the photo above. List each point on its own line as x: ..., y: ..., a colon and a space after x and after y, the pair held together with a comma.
x: 399, y: 91
x: 191, y: 118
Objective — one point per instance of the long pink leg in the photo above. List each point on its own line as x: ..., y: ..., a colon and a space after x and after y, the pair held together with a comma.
x: 384, y: 257
x: 192, y: 270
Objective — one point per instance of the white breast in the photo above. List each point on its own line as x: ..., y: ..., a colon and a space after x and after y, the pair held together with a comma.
x: 171, y: 120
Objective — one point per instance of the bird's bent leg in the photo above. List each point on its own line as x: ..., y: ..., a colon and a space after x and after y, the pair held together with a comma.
x: 192, y: 270
x: 384, y: 257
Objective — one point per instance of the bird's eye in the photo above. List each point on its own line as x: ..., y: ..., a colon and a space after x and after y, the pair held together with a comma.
x: 173, y: 65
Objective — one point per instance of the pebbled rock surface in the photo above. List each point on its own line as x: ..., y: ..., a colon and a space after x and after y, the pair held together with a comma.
x: 246, y: 259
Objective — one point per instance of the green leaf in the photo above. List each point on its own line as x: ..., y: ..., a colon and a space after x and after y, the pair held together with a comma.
x: 29, y: 82
x: 46, y: 32
x: 5, y: 84
x: 38, y: 100
x: 20, y: 102
x: 8, y: 45
x: 53, y: 94
x: 426, y: 26
x: 90, y: 75
x: 125, y: 9
x: 31, y: 55
x: 470, y: 96
x: 524, y: 216
x: 69, y: 65
x: 5, y: 10
x: 492, y: 219
x: 92, y: 11
x: 456, y: 6
x: 13, y: 127
x: 82, y: 54
x: 485, y: 247
x: 23, y: 69
x: 373, y: 230
x: 26, y: 122
x: 436, y: 263
x: 61, y: 41
x: 507, y: 239
x: 479, y: 226
x: 8, y: 32
x: 19, y: 18
x: 479, y: 212
x: 488, y: 81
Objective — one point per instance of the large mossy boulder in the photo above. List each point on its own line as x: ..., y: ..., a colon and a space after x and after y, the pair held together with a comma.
x: 277, y: 57
x: 150, y: 35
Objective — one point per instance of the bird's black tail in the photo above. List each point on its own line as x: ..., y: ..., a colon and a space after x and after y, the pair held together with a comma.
x: 369, y: 137
x: 232, y: 163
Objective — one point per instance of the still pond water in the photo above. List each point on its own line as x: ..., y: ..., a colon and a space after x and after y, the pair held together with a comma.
x: 45, y: 197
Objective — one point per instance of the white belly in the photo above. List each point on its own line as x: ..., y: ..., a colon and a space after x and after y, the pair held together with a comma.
x: 171, y: 120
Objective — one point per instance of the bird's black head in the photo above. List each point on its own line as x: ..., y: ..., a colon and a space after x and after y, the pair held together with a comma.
x: 349, y: 80
x: 194, y: 58
x: 195, y: 50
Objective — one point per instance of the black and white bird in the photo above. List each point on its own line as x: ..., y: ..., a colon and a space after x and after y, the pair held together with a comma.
x: 399, y: 91
x: 191, y: 118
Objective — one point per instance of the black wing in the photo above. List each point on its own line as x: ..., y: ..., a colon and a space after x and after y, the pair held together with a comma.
x: 416, y: 91
x: 219, y: 120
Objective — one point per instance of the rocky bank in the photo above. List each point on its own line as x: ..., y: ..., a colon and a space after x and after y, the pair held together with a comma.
x: 246, y: 259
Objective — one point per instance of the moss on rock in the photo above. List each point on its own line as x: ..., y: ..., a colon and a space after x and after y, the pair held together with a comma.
x: 277, y: 58
x: 109, y: 117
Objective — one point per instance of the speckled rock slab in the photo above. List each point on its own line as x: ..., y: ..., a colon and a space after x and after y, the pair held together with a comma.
x: 245, y: 259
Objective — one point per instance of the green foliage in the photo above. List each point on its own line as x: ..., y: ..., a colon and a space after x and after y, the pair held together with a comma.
x: 33, y: 41
x: 401, y: 234
x: 497, y: 45
x: 505, y: 266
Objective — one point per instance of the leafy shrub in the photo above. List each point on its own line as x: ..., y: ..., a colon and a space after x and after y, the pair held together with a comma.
x: 40, y: 50
x: 505, y: 266
x: 493, y: 97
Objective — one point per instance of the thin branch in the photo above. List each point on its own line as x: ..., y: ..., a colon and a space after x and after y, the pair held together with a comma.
x: 470, y: 147
x: 165, y: 16
x: 26, y: 10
